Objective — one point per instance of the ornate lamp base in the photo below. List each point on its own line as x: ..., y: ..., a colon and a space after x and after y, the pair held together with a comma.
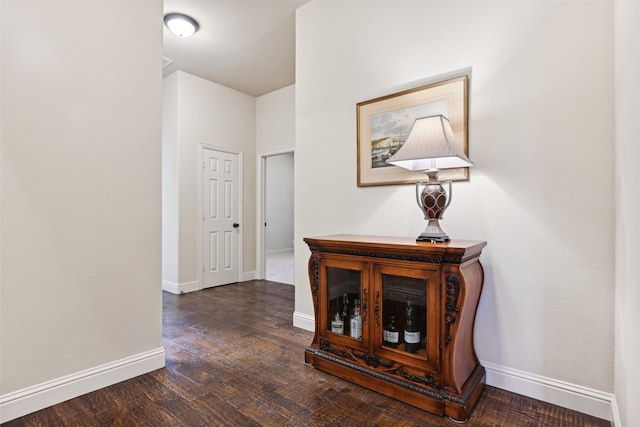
x: 433, y: 201
x: 433, y: 233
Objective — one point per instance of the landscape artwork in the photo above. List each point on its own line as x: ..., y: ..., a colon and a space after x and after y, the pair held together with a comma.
x: 390, y: 130
x: 384, y: 123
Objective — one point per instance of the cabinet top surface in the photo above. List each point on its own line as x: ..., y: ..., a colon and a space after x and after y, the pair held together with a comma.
x: 397, y: 243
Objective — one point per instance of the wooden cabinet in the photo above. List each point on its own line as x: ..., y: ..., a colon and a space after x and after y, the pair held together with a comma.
x: 433, y: 287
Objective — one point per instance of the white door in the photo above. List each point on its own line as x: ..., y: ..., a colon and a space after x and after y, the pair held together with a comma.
x: 220, y: 218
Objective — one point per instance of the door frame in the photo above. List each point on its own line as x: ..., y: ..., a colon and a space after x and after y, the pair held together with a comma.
x: 261, y: 171
x: 204, y: 146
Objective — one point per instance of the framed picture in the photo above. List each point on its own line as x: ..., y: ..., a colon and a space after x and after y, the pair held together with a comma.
x: 385, y: 123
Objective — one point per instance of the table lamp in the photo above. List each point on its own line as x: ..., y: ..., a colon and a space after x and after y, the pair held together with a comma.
x: 431, y: 147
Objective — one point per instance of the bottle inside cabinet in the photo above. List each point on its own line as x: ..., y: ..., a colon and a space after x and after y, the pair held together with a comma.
x: 391, y: 333
x: 355, y: 328
x: 405, y: 315
x: 412, y: 330
x: 343, y: 302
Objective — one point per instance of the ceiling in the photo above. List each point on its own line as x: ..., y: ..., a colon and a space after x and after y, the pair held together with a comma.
x: 248, y: 46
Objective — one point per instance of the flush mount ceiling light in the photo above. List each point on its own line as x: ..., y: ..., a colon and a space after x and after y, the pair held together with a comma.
x: 181, y: 25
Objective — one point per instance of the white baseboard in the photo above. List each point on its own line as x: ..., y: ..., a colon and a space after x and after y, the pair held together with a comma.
x: 279, y: 251
x: 304, y: 321
x: 186, y: 287
x: 180, y: 288
x: 248, y: 275
x: 615, y: 413
x: 578, y: 398
x: 572, y: 396
x: 22, y: 402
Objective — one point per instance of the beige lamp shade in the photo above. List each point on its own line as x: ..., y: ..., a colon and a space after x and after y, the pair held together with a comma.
x: 430, y: 145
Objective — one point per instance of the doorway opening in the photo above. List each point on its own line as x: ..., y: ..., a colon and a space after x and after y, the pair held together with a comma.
x: 275, y: 237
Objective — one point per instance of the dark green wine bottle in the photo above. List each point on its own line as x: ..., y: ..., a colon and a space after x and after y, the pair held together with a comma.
x: 391, y: 333
x: 345, y: 314
x: 411, y: 329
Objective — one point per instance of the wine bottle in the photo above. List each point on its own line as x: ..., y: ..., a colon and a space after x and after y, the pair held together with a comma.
x: 345, y: 313
x: 391, y: 334
x: 356, y: 321
x: 411, y: 329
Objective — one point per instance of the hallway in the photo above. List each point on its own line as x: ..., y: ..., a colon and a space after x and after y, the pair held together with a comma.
x: 279, y: 267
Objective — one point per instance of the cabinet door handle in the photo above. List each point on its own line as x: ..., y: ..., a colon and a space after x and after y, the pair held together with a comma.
x: 236, y: 225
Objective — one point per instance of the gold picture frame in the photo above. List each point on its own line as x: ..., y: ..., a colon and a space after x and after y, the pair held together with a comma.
x: 384, y: 123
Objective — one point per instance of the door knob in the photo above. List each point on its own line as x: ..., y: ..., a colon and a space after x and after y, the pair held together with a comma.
x: 236, y: 225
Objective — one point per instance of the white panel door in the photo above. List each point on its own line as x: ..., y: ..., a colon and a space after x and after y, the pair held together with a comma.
x: 220, y: 218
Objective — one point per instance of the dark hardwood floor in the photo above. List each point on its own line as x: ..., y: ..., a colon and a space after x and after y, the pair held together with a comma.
x: 234, y: 359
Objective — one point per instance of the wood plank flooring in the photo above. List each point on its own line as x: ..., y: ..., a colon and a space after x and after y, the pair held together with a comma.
x: 234, y: 359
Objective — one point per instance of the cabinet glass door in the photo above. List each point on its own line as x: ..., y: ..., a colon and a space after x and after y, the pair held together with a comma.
x: 344, y: 306
x: 407, y: 303
x: 404, y: 313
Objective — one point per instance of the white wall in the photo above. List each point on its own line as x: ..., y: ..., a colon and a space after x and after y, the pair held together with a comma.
x: 81, y: 198
x: 275, y: 121
x: 207, y: 113
x: 627, y: 314
x: 279, y: 203
x: 170, y: 182
x: 275, y: 135
x: 541, y: 129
